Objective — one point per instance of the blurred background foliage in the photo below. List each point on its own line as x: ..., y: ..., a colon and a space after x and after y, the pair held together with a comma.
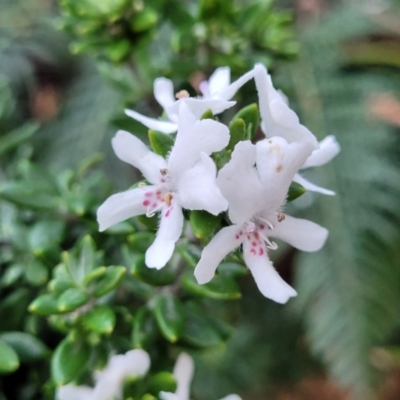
x: 61, y: 100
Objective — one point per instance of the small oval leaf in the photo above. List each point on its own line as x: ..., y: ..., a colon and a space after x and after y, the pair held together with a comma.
x: 169, y: 315
x: 203, y: 223
x: 109, y: 281
x: 27, y: 347
x: 46, y: 304
x: 144, y: 329
x: 69, y: 360
x: 8, y: 358
x: 152, y: 276
x: 71, y: 299
x: 161, y: 143
x: 100, y: 319
x: 295, y: 191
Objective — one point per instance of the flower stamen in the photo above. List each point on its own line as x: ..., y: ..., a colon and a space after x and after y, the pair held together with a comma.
x: 270, y: 225
x: 270, y: 245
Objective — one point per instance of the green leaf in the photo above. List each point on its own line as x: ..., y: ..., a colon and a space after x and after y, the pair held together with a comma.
x: 28, y: 347
x: 207, y: 115
x: 220, y: 287
x: 46, y: 304
x: 161, y: 143
x: 36, y: 273
x: 69, y: 360
x: 169, y: 315
x: 100, y: 319
x: 45, y: 234
x: 150, y: 223
x: 295, y: 191
x: 152, y: 276
x: 62, y: 279
x: 16, y: 137
x: 109, y: 281
x: 203, y: 223
x: 251, y: 118
x: 237, y: 128
x: 148, y: 396
x: 190, y: 253
x: 12, y: 274
x: 162, y: 382
x: 8, y: 358
x: 13, y: 309
x: 72, y: 267
x: 26, y: 194
x: 87, y: 258
x: 71, y: 299
x: 232, y: 269
x: 88, y: 163
x: 144, y: 329
x: 200, y: 332
x: 144, y: 20
x: 95, y: 274
x: 118, y: 51
x: 141, y: 241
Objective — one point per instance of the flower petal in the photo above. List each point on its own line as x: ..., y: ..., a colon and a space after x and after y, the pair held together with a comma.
x: 108, y: 388
x: 133, y: 151
x: 277, y: 118
x: 328, y: 149
x: 170, y: 230
x: 277, y: 163
x: 300, y: 233
x: 72, y: 392
x: 152, y: 123
x: 230, y: 91
x: 219, y: 80
x: 137, y: 362
x: 193, y: 138
x: 232, y: 397
x: 268, y: 281
x: 183, y: 373
x: 225, y: 241
x: 164, y: 92
x: 168, y: 396
x: 240, y: 185
x: 311, y: 187
x: 122, y: 206
x: 198, y: 190
x: 199, y: 106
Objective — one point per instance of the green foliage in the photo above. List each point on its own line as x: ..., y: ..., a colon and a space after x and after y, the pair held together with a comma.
x: 69, y: 359
x: 160, y: 142
x: 295, y: 191
x: 203, y: 224
x: 168, y: 312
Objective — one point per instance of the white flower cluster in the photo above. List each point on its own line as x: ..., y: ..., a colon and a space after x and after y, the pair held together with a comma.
x: 133, y: 364
x: 109, y: 381
x: 252, y: 187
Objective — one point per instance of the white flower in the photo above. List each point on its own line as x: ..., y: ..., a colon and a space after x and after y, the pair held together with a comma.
x: 328, y: 149
x: 186, y: 180
x: 255, y: 200
x: 72, y: 392
x: 109, y: 381
x: 183, y: 373
x: 216, y: 99
x: 277, y: 119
